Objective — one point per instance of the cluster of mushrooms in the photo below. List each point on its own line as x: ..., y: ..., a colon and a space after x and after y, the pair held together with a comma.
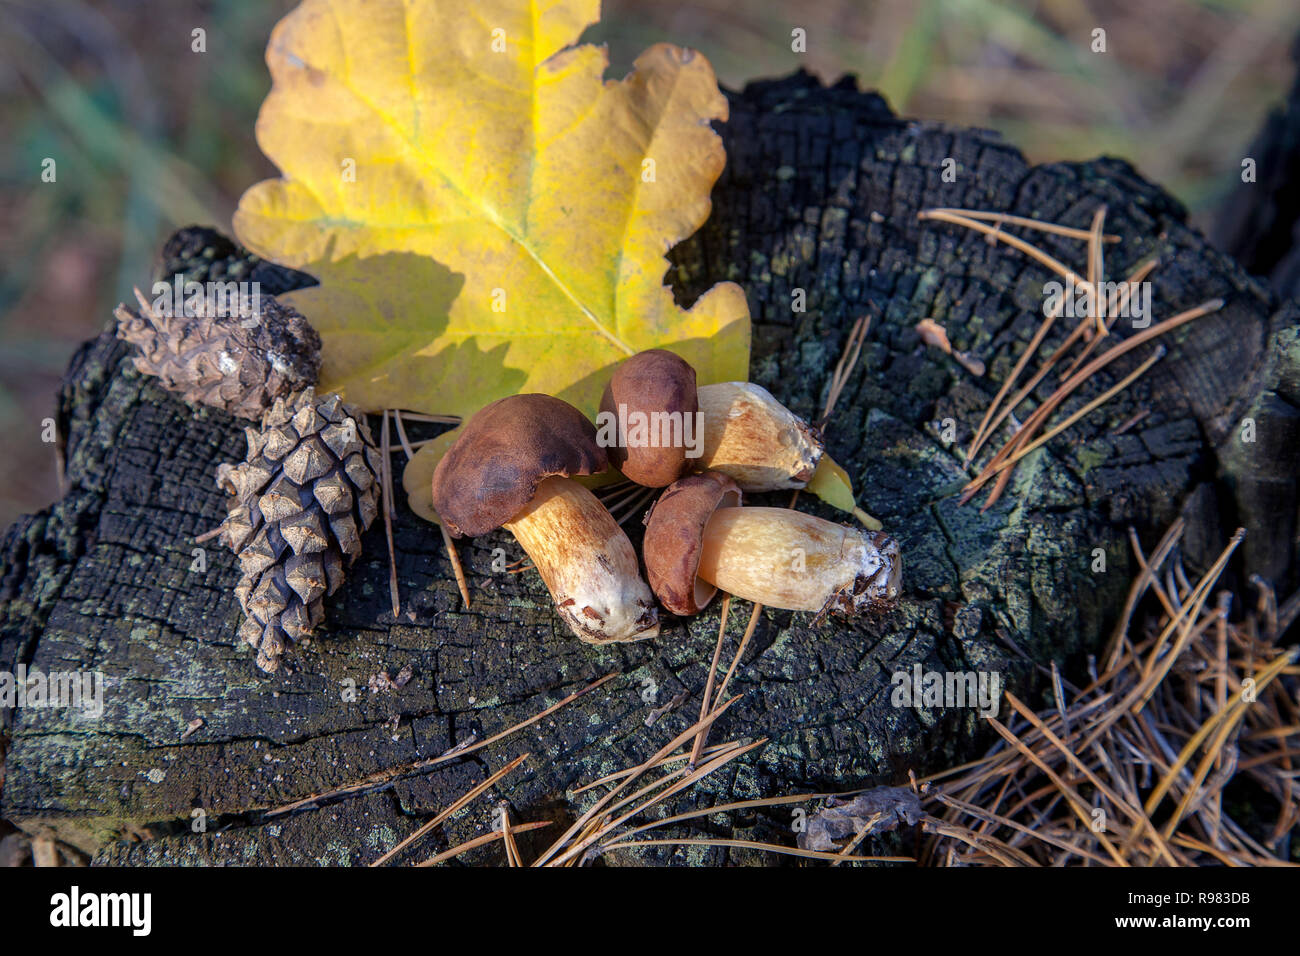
x: 516, y: 460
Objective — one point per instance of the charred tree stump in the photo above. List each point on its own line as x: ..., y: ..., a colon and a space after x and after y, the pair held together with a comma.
x: 821, y: 194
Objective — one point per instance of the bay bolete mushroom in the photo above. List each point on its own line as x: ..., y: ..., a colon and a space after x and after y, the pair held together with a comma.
x: 656, y: 424
x: 674, y: 539
x: 649, y: 422
x: 774, y: 556
x: 512, y: 467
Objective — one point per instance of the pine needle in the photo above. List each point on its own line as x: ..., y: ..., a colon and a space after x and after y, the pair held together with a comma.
x: 760, y: 803
x: 508, y: 838
x: 672, y: 758
x: 706, y: 700
x: 483, y: 840
x: 462, y: 801
x: 1096, y: 270
x: 766, y: 847
x: 740, y: 652
x: 1140, y: 585
x: 390, y: 512
x: 1067, y: 388
x: 433, y: 419
x: 565, y: 839
x: 1005, y: 219
x: 385, y: 778
x: 457, y: 569
x: 1029, y: 249
x: 1116, y: 309
x: 1101, y: 399
x: 988, y: 423
x: 401, y: 435
x: 844, y: 367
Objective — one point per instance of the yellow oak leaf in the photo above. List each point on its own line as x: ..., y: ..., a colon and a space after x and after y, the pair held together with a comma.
x: 485, y: 213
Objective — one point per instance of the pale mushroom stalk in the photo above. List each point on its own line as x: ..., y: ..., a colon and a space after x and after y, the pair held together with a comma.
x: 786, y: 559
x: 587, y: 563
x: 754, y: 439
x: 763, y: 446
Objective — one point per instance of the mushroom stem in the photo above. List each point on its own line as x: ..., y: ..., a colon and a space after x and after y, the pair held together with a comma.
x: 587, y: 562
x: 787, y: 559
x: 754, y: 439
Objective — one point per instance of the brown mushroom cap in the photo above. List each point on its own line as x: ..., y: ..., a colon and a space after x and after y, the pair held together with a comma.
x: 674, y: 539
x: 492, y: 470
x: 649, y: 382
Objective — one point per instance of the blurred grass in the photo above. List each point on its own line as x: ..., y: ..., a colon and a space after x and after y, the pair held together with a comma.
x: 149, y: 135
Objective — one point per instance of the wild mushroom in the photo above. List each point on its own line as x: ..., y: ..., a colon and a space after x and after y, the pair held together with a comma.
x: 756, y: 440
x: 698, y: 540
x: 649, y: 421
x: 512, y: 467
x: 657, y: 424
x: 674, y: 539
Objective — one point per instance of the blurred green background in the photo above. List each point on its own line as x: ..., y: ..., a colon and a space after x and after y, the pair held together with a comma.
x: 149, y: 135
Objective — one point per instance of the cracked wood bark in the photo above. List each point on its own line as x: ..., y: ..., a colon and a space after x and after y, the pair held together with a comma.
x: 820, y: 193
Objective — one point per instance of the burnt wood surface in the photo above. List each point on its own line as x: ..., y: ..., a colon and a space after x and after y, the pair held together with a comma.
x: 821, y: 193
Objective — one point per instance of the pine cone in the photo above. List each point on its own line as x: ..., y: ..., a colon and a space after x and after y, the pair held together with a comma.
x: 303, y: 496
x: 232, y: 356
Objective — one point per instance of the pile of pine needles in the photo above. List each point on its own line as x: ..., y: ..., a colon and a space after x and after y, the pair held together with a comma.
x: 1105, y: 305
x: 1193, y: 721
